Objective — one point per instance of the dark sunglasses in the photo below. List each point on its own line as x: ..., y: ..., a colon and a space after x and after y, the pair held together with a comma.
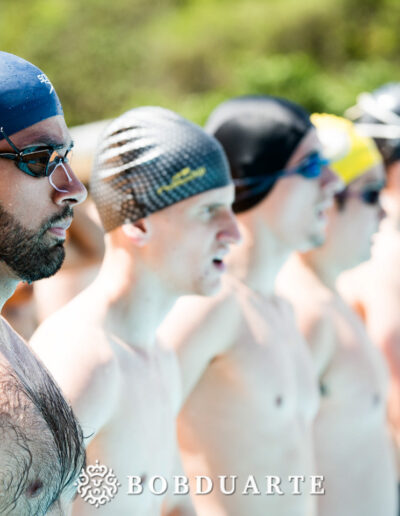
x: 38, y: 160
x: 370, y: 195
x: 310, y: 168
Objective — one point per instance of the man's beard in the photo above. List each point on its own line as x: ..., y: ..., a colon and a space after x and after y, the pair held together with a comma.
x: 25, y: 252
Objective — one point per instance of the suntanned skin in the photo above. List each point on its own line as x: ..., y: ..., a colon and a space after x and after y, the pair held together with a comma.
x: 124, y: 387
x: 247, y: 373
x: 15, y: 454
x: 373, y: 290
x: 353, y: 446
x: 84, y: 249
x: 31, y: 201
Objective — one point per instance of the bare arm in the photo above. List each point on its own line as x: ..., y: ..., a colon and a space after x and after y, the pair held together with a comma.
x: 178, y: 504
x: 78, y: 360
x: 199, y: 329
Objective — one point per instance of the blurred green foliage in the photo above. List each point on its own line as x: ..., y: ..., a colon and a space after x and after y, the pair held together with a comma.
x: 106, y: 56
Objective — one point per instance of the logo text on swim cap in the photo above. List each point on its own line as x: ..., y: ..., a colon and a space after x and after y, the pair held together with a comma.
x: 45, y: 80
x: 182, y: 177
x: 97, y: 485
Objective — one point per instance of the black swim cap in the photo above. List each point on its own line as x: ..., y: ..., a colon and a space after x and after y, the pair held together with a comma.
x: 259, y: 134
x: 377, y: 115
x: 150, y: 158
x: 26, y: 94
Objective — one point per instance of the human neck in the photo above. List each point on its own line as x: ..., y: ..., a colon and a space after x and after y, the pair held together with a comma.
x: 8, y: 284
x: 136, y: 300
x: 324, y: 269
x: 258, y: 259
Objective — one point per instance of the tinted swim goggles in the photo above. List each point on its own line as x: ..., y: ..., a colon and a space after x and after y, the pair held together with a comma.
x: 369, y: 195
x: 310, y: 168
x: 40, y: 161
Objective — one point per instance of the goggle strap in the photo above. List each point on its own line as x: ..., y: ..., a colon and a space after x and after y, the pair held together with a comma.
x: 9, y: 141
x: 263, y: 185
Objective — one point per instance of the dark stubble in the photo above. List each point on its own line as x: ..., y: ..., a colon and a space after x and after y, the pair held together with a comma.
x: 26, y: 252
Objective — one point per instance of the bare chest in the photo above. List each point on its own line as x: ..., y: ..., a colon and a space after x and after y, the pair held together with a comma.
x: 266, y: 375
x: 144, y: 418
x: 357, y: 376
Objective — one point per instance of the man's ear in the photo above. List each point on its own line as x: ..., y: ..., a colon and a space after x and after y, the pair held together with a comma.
x: 138, y: 232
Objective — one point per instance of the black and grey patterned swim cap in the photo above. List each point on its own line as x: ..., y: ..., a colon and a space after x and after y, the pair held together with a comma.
x: 150, y: 158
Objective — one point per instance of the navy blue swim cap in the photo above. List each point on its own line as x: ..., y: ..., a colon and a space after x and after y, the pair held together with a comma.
x: 259, y: 133
x: 26, y: 94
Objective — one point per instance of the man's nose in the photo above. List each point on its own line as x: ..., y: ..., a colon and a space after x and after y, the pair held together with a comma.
x: 67, y: 187
x: 330, y: 181
x: 229, y: 232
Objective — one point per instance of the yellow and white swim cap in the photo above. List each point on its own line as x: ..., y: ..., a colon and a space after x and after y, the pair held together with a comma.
x: 351, y: 154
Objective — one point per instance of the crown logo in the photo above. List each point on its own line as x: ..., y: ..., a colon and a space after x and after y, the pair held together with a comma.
x: 97, y: 484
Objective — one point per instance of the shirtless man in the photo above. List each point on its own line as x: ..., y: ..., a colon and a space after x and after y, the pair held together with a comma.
x: 353, y: 447
x: 41, y: 450
x: 373, y: 288
x: 254, y: 392
x: 164, y: 193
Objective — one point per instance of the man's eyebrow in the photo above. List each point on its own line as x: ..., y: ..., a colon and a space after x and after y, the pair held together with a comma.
x: 374, y: 184
x: 371, y: 182
x: 49, y: 142
x: 214, y: 205
x: 45, y: 140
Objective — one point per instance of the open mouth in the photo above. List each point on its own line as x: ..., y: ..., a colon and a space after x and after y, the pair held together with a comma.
x: 219, y: 264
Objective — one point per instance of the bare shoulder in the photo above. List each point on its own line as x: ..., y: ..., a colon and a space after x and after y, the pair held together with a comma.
x: 80, y: 357
x: 14, y: 351
x: 284, y: 307
x: 201, y: 320
x: 353, y: 284
x: 171, y: 373
x: 199, y: 329
x: 72, y: 333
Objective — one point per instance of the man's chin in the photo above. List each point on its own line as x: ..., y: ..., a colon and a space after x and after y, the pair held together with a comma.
x: 44, y: 268
x: 315, y: 240
x: 211, y: 288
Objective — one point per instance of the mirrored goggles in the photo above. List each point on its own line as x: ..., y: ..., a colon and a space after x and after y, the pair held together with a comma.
x: 310, y: 168
x: 41, y: 161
